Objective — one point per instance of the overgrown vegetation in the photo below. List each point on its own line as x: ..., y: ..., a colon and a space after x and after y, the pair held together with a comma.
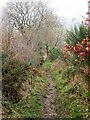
x: 77, y: 49
x: 14, y: 72
x: 71, y: 94
x: 22, y: 88
x: 71, y: 97
x: 31, y: 106
x: 32, y: 38
x: 54, y: 53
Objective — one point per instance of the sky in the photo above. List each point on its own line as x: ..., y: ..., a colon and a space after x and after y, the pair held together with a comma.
x: 70, y: 8
x: 67, y: 8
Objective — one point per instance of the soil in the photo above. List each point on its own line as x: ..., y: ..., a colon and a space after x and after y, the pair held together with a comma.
x: 49, y: 107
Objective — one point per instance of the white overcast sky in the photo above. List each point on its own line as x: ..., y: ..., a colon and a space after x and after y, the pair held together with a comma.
x: 67, y: 8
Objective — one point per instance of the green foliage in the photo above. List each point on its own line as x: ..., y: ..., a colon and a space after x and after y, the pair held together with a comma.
x: 27, y: 109
x: 73, y: 53
x: 76, y: 34
x: 70, y: 71
x: 53, y: 53
x: 14, y: 72
x: 77, y: 113
x: 61, y: 56
x: 47, y: 65
x: 31, y: 107
x: 71, y: 98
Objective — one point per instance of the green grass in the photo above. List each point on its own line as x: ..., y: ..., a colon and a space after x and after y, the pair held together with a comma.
x: 71, y: 99
x: 32, y: 107
x: 47, y: 65
x: 29, y: 109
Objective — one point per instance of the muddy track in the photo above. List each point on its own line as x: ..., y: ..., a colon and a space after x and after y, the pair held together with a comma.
x: 49, y: 107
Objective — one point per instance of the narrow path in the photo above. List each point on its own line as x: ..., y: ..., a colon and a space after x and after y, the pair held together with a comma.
x: 49, y: 100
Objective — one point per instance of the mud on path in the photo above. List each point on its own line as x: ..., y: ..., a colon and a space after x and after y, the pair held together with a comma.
x: 49, y: 107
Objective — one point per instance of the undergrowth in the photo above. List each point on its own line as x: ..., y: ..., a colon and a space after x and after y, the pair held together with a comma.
x: 32, y: 106
x: 71, y: 98
x: 30, y: 84
x: 71, y: 93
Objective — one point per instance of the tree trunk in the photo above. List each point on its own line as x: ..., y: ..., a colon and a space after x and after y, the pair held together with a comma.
x: 47, y: 49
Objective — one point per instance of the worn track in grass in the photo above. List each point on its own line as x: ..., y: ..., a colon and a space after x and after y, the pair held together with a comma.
x: 49, y: 107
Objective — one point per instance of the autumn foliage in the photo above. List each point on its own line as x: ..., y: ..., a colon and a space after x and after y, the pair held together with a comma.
x: 81, y: 52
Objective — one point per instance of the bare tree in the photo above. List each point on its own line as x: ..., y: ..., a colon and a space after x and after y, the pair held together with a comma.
x: 25, y: 14
x: 33, y: 25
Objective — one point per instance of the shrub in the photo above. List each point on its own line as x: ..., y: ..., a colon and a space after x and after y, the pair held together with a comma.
x: 77, y: 49
x: 53, y: 53
x: 14, y: 72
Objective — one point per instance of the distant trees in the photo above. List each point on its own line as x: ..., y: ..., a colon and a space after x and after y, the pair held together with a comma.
x: 31, y: 27
x: 25, y: 15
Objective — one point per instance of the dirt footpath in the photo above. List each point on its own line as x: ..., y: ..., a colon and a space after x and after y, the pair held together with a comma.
x: 49, y: 100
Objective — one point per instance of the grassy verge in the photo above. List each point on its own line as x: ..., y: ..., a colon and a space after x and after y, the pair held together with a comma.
x: 71, y: 99
x: 71, y: 96
x: 31, y: 107
x: 28, y: 109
